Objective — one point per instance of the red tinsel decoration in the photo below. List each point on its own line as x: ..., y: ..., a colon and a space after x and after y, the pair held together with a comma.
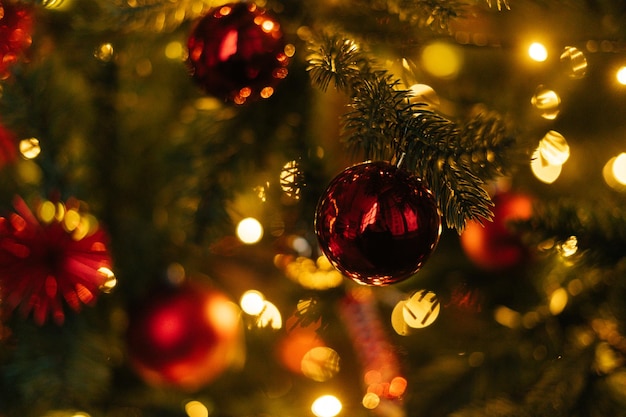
x: 58, y: 255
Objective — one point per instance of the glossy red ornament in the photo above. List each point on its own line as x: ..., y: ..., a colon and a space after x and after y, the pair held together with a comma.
x: 15, y: 33
x: 493, y: 246
x: 184, y: 336
x: 377, y: 224
x: 237, y: 52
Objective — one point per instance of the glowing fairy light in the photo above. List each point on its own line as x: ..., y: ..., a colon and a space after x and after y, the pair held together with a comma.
x: 249, y: 230
x: 196, y: 409
x: 621, y: 75
x: 30, y: 148
x: 326, y: 406
x: 252, y: 302
x: 554, y: 148
x: 537, y: 52
x: 619, y: 168
x: 558, y: 301
x: 614, y: 172
x: 442, y: 60
x: 544, y: 171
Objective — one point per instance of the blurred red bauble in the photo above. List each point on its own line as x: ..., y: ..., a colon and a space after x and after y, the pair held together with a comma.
x: 184, y: 337
x: 8, y: 146
x: 494, y: 246
x: 237, y: 53
x: 15, y: 33
x: 377, y: 224
x: 58, y: 255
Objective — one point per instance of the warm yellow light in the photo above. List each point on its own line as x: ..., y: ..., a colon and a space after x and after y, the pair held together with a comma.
x: 196, y: 409
x: 542, y: 170
x: 104, y: 52
x: 558, y: 301
x: 621, y: 75
x: 326, y: 406
x: 174, y: 50
x: 441, y: 59
x: 370, y: 401
x: 320, y: 364
x: 507, y: 317
x: 609, y: 175
x: 537, y: 52
x: 547, y: 102
x: 270, y: 316
x: 569, y: 247
x: 30, y: 148
x: 421, y: 309
x: 252, y: 302
x: 619, y: 168
x: 554, y: 148
x: 575, y: 61
x: 249, y: 230
x: 110, y: 282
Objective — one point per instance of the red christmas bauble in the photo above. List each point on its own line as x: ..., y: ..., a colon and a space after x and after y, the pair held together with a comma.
x: 377, y: 224
x: 237, y: 52
x: 493, y: 246
x: 184, y: 337
x: 15, y: 33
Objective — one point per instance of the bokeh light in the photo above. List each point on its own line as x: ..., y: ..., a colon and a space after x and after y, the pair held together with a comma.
x: 30, y: 148
x: 442, y: 59
x: 269, y: 316
x: 621, y: 75
x: 547, y: 102
x: 104, y: 52
x: 321, y: 363
x: 554, y: 148
x: 196, y: 409
x: 252, y: 302
x: 619, y: 168
x: 558, y: 301
x: 326, y: 406
x: 614, y: 172
x: 574, y: 62
x: 537, y: 52
x: 249, y: 230
x: 542, y: 170
x: 421, y: 309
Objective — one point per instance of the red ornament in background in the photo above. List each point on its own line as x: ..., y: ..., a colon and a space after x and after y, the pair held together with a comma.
x: 8, y: 146
x: 494, y: 246
x: 184, y: 337
x: 15, y: 34
x: 377, y: 224
x: 58, y: 256
x: 237, y: 53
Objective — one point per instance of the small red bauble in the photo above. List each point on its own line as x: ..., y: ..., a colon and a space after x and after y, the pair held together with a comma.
x: 184, y: 337
x: 15, y: 33
x: 237, y: 53
x: 493, y: 246
x: 377, y: 224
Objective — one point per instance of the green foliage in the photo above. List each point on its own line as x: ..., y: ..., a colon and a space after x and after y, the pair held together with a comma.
x: 385, y: 123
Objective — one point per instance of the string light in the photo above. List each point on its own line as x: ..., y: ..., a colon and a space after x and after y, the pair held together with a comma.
x: 252, y: 302
x: 249, y: 230
x: 621, y: 75
x: 326, y: 406
x: 537, y: 52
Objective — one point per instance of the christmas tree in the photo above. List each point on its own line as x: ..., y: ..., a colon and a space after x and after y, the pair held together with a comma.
x: 285, y: 208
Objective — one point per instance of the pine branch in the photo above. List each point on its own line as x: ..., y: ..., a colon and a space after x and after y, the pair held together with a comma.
x: 384, y: 124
